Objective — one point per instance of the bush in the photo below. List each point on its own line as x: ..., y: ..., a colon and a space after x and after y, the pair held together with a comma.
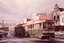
x: 35, y: 32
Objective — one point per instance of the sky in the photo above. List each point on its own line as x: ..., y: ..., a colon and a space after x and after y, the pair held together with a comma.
x: 15, y: 11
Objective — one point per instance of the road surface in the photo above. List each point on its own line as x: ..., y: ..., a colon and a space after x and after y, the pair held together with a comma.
x: 30, y: 40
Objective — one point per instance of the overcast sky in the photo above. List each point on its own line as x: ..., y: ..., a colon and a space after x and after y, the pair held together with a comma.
x: 14, y: 11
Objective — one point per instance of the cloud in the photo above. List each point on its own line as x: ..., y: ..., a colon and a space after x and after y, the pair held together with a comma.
x: 17, y: 10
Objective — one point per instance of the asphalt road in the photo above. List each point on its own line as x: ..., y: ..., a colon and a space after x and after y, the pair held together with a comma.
x: 30, y: 40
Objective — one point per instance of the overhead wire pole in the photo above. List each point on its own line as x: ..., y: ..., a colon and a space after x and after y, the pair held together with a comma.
x: 3, y: 23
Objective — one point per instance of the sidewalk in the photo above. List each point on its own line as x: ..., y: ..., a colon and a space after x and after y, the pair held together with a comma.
x: 58, y: 39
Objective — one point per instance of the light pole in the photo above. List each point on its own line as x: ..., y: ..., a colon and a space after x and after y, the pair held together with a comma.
x: 3, y: 23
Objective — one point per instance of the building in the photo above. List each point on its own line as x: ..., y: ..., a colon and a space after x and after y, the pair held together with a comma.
x: 47, y: 21
x: 42, y: 21
x: 58, y: 15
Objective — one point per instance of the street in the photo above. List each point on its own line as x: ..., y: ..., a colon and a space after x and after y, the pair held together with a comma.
x: 31, y: 40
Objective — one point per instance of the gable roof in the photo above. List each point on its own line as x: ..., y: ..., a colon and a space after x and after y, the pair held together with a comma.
x: 46, y: 17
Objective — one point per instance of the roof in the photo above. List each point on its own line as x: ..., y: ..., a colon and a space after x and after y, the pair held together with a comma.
x: 46, y: 17
x: 61, y: 9
x: 34, y: 22
x: 58, y: 8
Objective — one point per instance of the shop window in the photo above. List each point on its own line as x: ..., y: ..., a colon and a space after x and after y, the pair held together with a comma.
x: 40, y: 25
x: 44, y: 25
x: 58, y: 17
x: 54, y: 17
x: 30, y: 27
x: 62, y: 20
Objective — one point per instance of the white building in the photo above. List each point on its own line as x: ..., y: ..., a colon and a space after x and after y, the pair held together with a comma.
x: 61, y: 22
x: 58, y: 15
x: 39, y: 21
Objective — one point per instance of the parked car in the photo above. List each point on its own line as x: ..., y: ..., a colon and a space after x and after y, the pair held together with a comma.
x: 59, y: 34
x: 3, y: 33
x: 48, y: 35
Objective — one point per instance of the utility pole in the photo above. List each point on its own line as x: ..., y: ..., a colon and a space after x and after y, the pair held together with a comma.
x: 3, y: 23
